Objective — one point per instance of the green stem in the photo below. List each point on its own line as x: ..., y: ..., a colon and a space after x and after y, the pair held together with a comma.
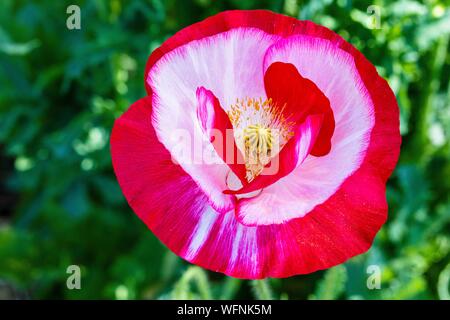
x: 182, y: 287
x: 432, y: 82
x: 230, y: 288
x: 262, y: 289
x: 443, y: 284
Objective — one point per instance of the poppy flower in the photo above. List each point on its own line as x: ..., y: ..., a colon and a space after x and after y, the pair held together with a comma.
x: 297, y: 135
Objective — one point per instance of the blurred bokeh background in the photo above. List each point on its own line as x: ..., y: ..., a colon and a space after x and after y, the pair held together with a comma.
x: 60, y: 204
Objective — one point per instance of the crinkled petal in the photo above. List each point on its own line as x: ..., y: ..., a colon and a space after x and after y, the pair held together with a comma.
x: 218, y: 128
x: 296, y: 98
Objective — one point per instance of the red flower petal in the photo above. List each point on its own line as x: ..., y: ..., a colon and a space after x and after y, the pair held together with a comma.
x: 159, y: 191
x: 217, y: 126
x: 299, y: 97
x: 344, y: 225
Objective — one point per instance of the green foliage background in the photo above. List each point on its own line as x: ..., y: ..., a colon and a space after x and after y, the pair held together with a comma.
x: 60, y: 91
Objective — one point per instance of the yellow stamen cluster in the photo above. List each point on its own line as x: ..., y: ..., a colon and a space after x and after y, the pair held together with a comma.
x: 258, y: 142
x: 260, y: 132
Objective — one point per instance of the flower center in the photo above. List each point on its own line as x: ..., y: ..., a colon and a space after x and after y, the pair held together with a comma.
x: 258, y: 147
x: 261, y: 131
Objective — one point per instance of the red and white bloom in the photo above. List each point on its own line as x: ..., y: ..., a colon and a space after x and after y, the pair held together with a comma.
x: 297, y: 132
